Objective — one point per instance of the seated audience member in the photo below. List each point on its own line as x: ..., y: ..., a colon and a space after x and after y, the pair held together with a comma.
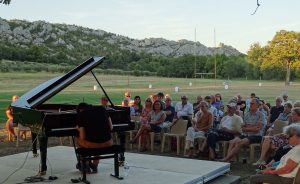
x: 196, y: 106
x: 170, y: 112
x: 104, y: 103
x: 160, y: 97
x: 266, y: 107
x: 204, y: 122
x: 272, y: 143
x: 289, y: 164
x: 253, y: 129
x: 137, y: 105
x: 261, y: 109
x: 168, y: 95
x: 94, y: 126
x: 154, y: 97
x: 212, y: 109
x: 126, y: 104
x: 296, y: 104
x: 128, y: 95
x: 221, y: 112
x: 252, y: 95
x: 218, y: 101
x: 145, y: 115
x: 230, y: 128
x: 285, y: 99
x: 241, y: 104
x: 275, y: 111
x: 284, y: 116
x: 157, y: 117
x: 184, y: 110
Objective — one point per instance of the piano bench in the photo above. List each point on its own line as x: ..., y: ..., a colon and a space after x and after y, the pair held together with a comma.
x: 87, y: 154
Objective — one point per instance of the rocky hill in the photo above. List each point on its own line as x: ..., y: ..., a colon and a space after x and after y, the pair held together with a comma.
x: 77, y: 42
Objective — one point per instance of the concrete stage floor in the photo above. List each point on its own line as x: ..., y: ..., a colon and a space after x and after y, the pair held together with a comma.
x: 146, y: 169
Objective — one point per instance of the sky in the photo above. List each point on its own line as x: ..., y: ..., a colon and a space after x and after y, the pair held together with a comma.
x: 170, y: 19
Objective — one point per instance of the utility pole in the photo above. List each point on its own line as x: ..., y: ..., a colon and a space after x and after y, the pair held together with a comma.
x: 215, y: 57
x: 195, y: 65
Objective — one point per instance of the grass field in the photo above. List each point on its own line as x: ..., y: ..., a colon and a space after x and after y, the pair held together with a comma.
x: 115, y: 86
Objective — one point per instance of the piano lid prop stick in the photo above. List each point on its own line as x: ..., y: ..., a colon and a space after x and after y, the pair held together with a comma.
x: 102, y: 89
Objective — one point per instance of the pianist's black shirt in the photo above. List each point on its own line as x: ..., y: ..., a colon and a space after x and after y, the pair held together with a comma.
x: 95, y: 122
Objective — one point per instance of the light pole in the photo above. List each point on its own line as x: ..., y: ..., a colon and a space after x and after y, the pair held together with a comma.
x: 215, y: 57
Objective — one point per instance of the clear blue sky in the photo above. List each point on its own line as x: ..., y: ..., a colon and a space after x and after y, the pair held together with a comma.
x: 170, y: 19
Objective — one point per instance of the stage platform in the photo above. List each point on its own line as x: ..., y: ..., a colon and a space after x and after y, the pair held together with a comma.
x: 146, y: 169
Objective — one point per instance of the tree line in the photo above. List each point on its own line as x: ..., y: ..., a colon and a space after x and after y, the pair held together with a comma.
x: 278, y: 60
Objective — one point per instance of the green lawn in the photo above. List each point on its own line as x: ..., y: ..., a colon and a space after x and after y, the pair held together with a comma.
x: 82, y: 90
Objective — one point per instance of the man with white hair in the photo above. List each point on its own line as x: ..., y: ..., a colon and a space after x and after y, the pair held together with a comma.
x: 253, y: 130
x: 184, y: 109
x: 231, y: 127
x: 285, y: 99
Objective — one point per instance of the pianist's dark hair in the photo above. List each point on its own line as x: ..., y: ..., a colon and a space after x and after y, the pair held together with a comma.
x: 82, y: 106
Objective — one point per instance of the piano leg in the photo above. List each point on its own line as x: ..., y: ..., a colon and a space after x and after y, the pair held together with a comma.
x: 121, y: 135
x: 43, y: 141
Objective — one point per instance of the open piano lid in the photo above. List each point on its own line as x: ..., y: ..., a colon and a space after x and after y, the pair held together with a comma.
x: 46, y: 90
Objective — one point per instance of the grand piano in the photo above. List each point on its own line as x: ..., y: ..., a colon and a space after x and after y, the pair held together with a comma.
x: 50, y: 120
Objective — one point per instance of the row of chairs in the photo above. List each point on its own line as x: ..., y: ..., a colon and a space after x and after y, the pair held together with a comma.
x: 18, y: 130
x: 179, y: 132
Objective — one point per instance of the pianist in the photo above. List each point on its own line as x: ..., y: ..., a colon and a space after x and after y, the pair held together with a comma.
x: 94, y: 126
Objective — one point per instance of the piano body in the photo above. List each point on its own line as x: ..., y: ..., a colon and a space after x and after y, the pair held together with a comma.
x: 60, y: 119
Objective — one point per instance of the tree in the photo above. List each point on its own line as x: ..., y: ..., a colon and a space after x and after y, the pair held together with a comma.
x: 255, y: 57
x: 284, y: 49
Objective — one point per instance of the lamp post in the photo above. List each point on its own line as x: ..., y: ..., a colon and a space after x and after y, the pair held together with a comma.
x: 215, y: 58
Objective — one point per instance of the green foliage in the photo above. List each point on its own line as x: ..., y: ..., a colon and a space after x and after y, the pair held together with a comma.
x: 71, y: 45
x: 276, y: 60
